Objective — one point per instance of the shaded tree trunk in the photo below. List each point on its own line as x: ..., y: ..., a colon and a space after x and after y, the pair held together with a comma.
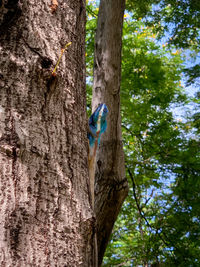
x: 46, y: 216
x: 111, y: 186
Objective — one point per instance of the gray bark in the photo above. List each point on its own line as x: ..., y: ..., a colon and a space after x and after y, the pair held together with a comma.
x: 46, y: 216
x: 111, y: 186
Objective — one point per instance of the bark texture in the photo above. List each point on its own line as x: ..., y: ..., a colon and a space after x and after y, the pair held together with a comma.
x: 46, y: 216
x: 111, y: 186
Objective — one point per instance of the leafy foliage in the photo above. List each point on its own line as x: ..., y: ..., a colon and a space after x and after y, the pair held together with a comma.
x: 179, y: 18
x: 92, y: 13
x: 178, y: 21
x: 159, y: 221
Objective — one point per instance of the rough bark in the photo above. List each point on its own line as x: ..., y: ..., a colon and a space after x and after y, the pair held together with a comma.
x: 46, y: 216
x: 111, y: 186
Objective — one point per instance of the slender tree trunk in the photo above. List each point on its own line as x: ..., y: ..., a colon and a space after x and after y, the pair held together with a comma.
x: 46, y: 217
x: 111, y: 185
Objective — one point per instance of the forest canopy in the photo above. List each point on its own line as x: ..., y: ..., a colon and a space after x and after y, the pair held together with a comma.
x: 159, y: 221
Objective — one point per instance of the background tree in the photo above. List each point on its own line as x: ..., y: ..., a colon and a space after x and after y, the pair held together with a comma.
x: 111, y: 185
x: 159, y: 220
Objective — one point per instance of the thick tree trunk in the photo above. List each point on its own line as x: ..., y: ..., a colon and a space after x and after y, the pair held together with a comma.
x: 46, y: 217
x: 111, y: 185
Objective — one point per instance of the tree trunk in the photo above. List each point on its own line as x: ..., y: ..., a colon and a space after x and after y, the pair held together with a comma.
x: 111, y: 186
x: 46, y: 216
